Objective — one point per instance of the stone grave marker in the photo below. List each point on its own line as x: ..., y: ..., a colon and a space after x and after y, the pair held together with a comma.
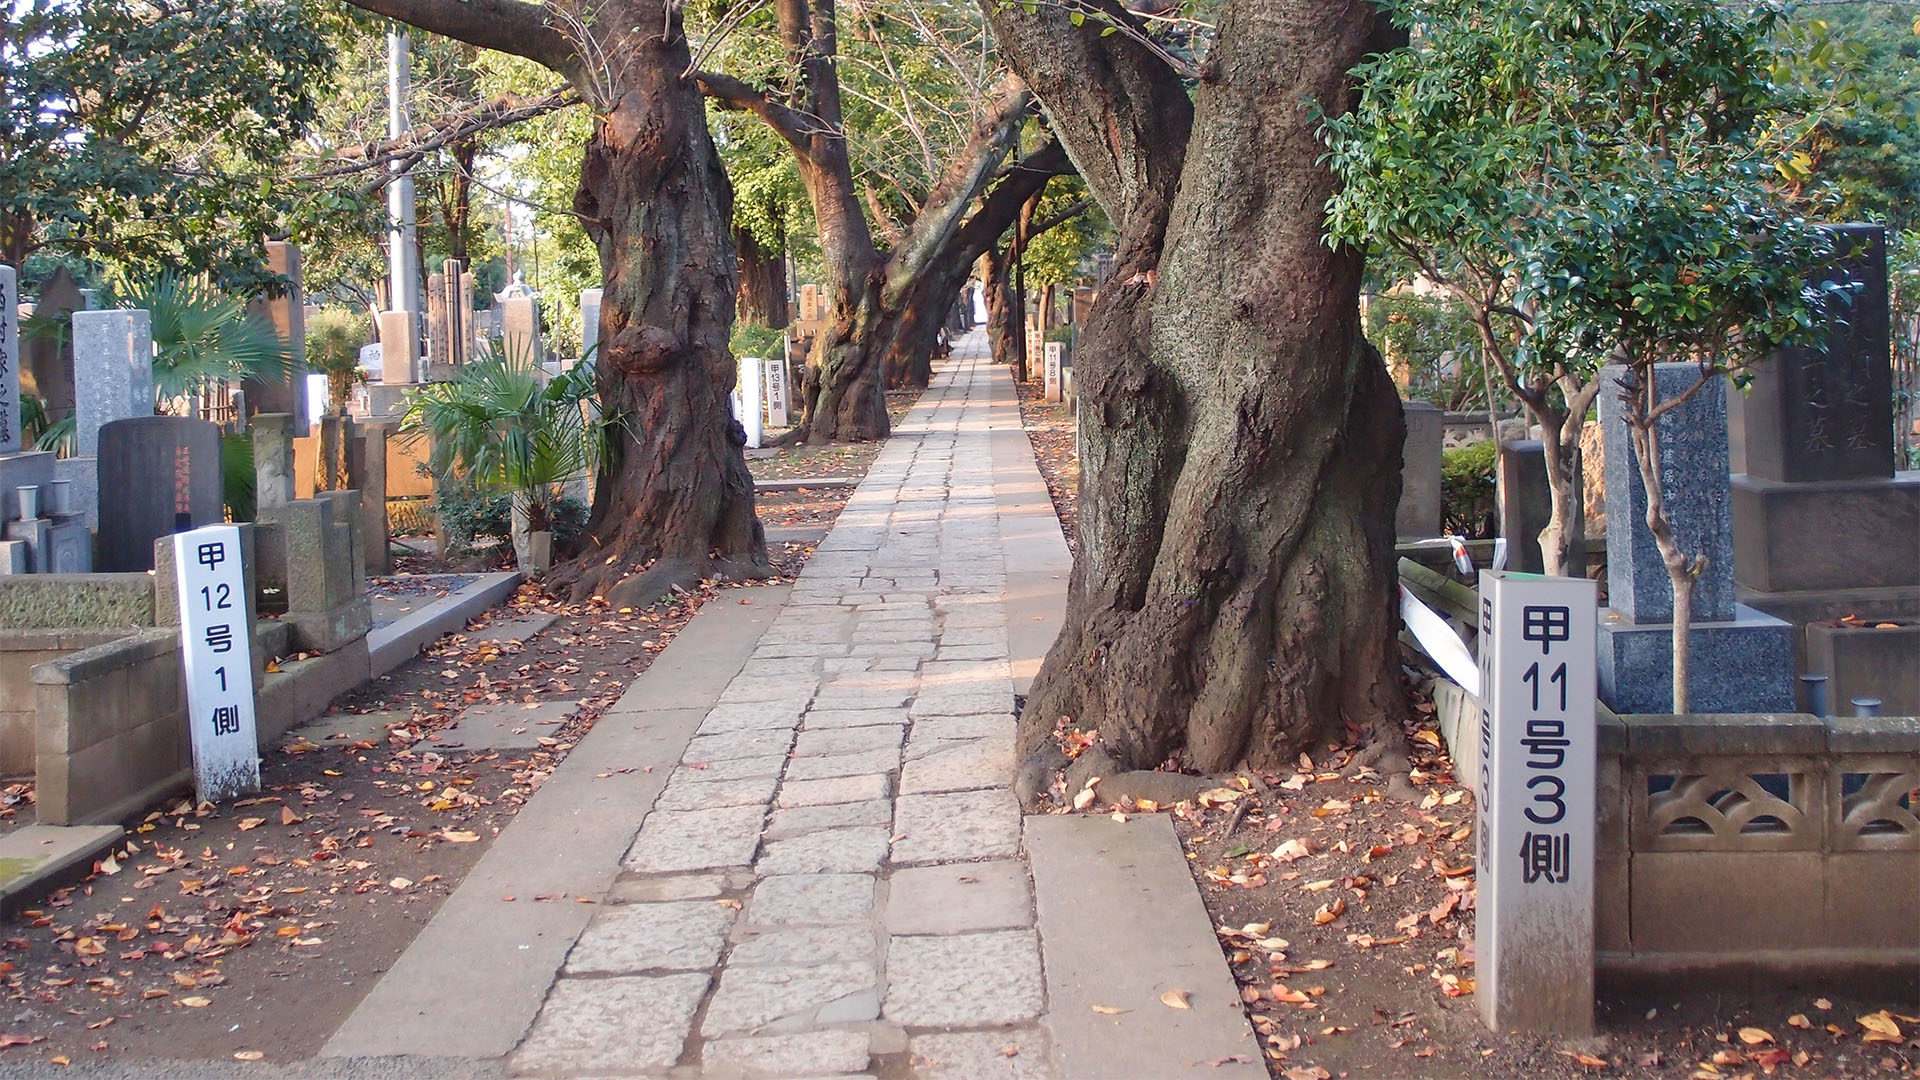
x: 439, y: 339
x: 1056, y: 354
x: 367, y: 474
x: 1533, y: 923
x: 159, y: 475
x: 590, y: 323
x: 1418, y: 516
x: 113, y: 372
x: 288, y: 314
x: 459, y: 314
x: 48, y: 371
x: 1741, y: 659
x: 272, y: 458
x: 1526, y: 503
x: 216, y: 649
x: 9, y: 360
x: 1826, y: 413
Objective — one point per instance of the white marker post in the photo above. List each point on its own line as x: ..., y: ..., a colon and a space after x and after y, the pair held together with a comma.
x: 216, y: 646
x: 1533, y: 927
x: 1056, y: 376
x: 777, y: 414
x: 751, y: 400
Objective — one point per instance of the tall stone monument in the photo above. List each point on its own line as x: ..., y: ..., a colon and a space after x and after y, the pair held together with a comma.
x: 1823, y: 525
x: 439, y: 332
x: 399, y: 358
x: 288, y: 314
x: 1741, y: 658
x: 520, y: 323
x: 590, y: 324
x: 1418, y: 516
x: 9, y: 360
x: 113, y: 372
x: 459, y: 303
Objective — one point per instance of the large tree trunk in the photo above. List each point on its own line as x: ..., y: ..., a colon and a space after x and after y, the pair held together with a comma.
x: 1002, y: 327
x: 658, y: 205
x: 763, y: 282
x: 1233, y: 597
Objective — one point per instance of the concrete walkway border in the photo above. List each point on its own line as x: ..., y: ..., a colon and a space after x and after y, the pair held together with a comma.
x: 400, y: 641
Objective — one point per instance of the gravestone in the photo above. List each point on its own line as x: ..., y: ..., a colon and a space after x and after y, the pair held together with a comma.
x: 48, y: 371
x: 1741, y: 658
x: 288, y: 315
x: 472, y: 340
x: 367, y: 474
x: 590, y: 323
x: 399, y: 347
x: 812, y: 310
x: 113, y: 373
x: 370, y: 359
x: 1526, y: 505
x: 520, y: 327
x: 9, y: 360
x: 159, y: 475
x: 272, y: 458
x: 458, y: 314
x: 439, y: 339
x: 1418, y: 516
x: 1826, y: 412
x: 1823, y: 526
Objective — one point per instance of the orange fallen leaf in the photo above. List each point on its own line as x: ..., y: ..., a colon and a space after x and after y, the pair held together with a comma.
x: 1754, y: 1036
x: 251, y: 823
x: 1109, y: 1010
x: 1175, y: 999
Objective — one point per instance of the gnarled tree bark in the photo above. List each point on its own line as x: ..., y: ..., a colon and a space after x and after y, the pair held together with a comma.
x: 867, y: 292
x: 676, y: 499
x: 1233, y: 596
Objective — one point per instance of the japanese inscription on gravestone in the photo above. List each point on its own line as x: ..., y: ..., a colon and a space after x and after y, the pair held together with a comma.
x: 9, y: 360
x: 777, y: 415
x: 217, y: 651
x: 1534, y: 920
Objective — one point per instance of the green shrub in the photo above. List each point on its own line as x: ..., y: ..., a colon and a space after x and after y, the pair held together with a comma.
x: 467, y: 515
x: 1468, y: 503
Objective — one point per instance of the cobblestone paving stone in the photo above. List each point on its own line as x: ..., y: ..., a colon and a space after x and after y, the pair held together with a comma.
x: 832, y: 883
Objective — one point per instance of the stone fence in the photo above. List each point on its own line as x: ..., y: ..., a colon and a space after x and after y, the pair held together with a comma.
x: 1750, y: 847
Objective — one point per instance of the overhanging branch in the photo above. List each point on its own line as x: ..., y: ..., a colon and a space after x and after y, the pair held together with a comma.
x: 507, y: 26
x: 396, y: 156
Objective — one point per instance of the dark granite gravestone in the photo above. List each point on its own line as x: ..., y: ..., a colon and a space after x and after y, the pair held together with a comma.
x: 1742, y: 659
x: 158, y: 475
x: 1826, y: 413
x: 1526, y: 504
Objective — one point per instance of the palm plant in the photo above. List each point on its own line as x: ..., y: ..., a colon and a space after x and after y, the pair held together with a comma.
x: 202, y: 337
x: 333, y: 347
x: 503, y: 424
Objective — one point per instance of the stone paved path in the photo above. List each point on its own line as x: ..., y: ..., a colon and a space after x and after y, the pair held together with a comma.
x: 832, y: 881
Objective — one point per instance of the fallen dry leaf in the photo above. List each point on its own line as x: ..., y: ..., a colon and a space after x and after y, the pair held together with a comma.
x: 1306, y: 1072
x: 1292, y: 849
x: 1754, y: 1036
x: 1880, y: 1027
x: 248, y: 1055
x: 196, y: 1002
x: 1109, y: 1010
x: 251, y: 823
x: 1588, y: 1060
x: 1799, y: 1020
x: 1176, y: 999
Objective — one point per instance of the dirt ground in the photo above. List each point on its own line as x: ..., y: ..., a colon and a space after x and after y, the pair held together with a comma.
x: 251, y: 930
x: 1347, y: 918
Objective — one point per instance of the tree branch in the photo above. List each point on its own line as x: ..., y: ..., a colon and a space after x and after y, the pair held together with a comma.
x: 789, y: 124
x: 424, y: 139
x: 507, y: 26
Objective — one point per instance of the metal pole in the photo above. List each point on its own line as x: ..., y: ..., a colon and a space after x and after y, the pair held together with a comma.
x: 403, y: 268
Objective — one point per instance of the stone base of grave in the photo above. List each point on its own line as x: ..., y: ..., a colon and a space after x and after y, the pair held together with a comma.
x: 1741, y: 665
x: 387, y: 401
x: 1805, y: 607
x: 1868, y: 662
x: 1831, y: 534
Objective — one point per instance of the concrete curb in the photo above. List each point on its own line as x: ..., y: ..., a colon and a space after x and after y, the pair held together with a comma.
x: 1039, y: 564
x: 34, y: 858
x: 797, y: 485
x: 400, y: 641
x: 471, y: 984
x: 1121, y: 923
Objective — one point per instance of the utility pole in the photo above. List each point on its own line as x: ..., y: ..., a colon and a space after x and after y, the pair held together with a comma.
x: 403, y: 267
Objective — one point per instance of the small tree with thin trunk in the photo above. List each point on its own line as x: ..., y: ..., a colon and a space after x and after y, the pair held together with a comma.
x: 1693, y: 265
x: 1468, y: 139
